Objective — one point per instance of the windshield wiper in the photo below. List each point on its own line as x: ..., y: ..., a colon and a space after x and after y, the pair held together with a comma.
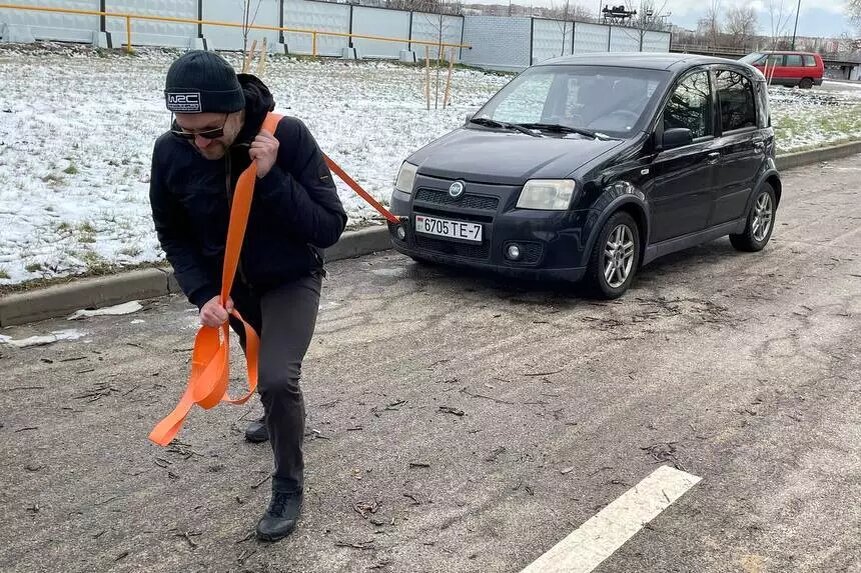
x: 559, y: 128
x: 487, y: 122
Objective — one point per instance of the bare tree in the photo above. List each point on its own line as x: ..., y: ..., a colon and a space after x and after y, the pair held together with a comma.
x: 561, y: 16
x: 854, y: 9
x: 741, y: 24
x: 248, y: 19
x: 568, y: 11
x: 564, y: 25
x: 713, y: 20
x: 434, y: 6
x: 442, y: 26
x: 650, y: 16
x: 780, y: 13
x: 564, y: 17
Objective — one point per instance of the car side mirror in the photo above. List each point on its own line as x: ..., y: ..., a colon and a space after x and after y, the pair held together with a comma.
x: 677, y: 137
x: 469, y: 117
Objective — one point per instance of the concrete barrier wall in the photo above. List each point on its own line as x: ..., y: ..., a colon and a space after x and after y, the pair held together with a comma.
x: 221, y: 38
x: 380, y: 22
x: 591, y: 38
x: 551, y: 39
x: 52, y: 26
x: 498, y: 42
x: 150, y: 33
x: 309, y: 15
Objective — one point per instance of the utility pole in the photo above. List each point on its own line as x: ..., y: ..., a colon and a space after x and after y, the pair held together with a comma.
x: 797, y: 10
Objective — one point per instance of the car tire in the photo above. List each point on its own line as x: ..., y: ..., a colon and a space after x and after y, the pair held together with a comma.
x: 806, y: 84
x: 762, y: 212
x: 619, y: 238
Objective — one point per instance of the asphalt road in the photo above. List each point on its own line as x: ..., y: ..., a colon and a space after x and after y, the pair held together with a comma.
x: 742, y: 369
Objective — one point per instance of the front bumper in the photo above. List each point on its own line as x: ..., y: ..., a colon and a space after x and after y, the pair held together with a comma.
x: 553, y: 244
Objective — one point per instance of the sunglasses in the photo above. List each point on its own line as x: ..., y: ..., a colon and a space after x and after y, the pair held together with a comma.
x: 190, y: 135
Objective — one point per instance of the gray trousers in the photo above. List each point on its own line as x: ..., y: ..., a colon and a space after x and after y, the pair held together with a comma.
x: 284, y: 318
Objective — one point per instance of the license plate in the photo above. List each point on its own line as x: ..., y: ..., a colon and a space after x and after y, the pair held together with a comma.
x: 460, y: 230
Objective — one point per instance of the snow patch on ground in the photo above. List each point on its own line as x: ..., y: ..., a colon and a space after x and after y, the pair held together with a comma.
x: 807, y: 119
x: 42, y: 340
x: 116, y: 310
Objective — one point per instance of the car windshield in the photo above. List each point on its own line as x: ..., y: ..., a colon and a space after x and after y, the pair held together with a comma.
x: 607, y: 101
x: 751, y: 58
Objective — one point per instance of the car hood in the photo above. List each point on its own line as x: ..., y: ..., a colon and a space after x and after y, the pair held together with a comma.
x: 506, y: 158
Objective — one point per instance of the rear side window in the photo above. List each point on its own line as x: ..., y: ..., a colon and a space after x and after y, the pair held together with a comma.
x: 737, y: 101
x: 793, y: 61
x: 690, y: 106
x: 809, y: 62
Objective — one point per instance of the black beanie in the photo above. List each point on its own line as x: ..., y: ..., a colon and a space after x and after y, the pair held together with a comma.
x: 202, y: 82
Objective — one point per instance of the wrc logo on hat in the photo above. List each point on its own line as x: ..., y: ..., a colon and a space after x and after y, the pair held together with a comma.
x: 188, y: 102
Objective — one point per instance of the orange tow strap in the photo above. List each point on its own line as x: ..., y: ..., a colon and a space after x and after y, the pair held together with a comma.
x: 210, y: 358
x: 361, y: 192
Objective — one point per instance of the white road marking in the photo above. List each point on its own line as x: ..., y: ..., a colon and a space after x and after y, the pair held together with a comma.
x: 603, y: 534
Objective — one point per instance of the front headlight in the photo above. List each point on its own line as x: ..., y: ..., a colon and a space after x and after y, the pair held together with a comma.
x: 406, y: 178
x: 547, y: 194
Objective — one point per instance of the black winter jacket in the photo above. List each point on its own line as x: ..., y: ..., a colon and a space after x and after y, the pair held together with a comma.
x: 295, y: 211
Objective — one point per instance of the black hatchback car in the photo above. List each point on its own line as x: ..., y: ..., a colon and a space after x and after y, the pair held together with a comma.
x: 588, y: 167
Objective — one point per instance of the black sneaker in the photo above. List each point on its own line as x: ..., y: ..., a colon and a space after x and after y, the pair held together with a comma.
x: 281, y: 517
x: 256, y: 431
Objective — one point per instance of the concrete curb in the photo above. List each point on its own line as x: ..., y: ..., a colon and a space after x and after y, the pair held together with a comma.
x: 51, y: 302
x: 21, y: 308
x: 802, y: 158
x: 56, y: 301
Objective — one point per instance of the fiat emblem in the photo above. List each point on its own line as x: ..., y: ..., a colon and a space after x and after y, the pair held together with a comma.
x: 456, y: 189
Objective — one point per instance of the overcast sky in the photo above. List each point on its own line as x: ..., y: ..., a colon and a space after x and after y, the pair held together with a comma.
x: 817, y: 18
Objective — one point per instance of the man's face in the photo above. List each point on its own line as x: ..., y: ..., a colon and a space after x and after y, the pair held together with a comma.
x: 200, y: 123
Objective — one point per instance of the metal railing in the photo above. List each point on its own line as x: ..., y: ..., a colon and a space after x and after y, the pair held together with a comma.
x: 314, y: 33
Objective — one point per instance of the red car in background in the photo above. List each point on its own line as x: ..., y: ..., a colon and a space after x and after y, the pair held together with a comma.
x: 802, y: 69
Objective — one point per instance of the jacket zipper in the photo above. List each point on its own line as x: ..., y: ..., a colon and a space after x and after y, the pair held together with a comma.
x: 229, y: 188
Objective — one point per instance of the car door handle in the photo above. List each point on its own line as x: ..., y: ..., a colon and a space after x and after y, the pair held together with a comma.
x: 714, y: 157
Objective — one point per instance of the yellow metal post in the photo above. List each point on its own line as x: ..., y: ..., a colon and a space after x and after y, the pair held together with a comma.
x: 128, y: 34
x: 314, y: 44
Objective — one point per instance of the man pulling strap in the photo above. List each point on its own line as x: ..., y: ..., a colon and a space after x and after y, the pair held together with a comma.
x: 295, y: 212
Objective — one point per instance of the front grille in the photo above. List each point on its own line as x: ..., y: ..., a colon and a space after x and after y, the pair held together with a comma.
x: 478, y: 202
x: 475, y: 251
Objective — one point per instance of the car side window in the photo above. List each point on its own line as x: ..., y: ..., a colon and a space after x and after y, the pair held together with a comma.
x: 809, y: 61
x: 775, y: 60
x: 793, y: 61
x: 690, y: 106
x: 737, y: 100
